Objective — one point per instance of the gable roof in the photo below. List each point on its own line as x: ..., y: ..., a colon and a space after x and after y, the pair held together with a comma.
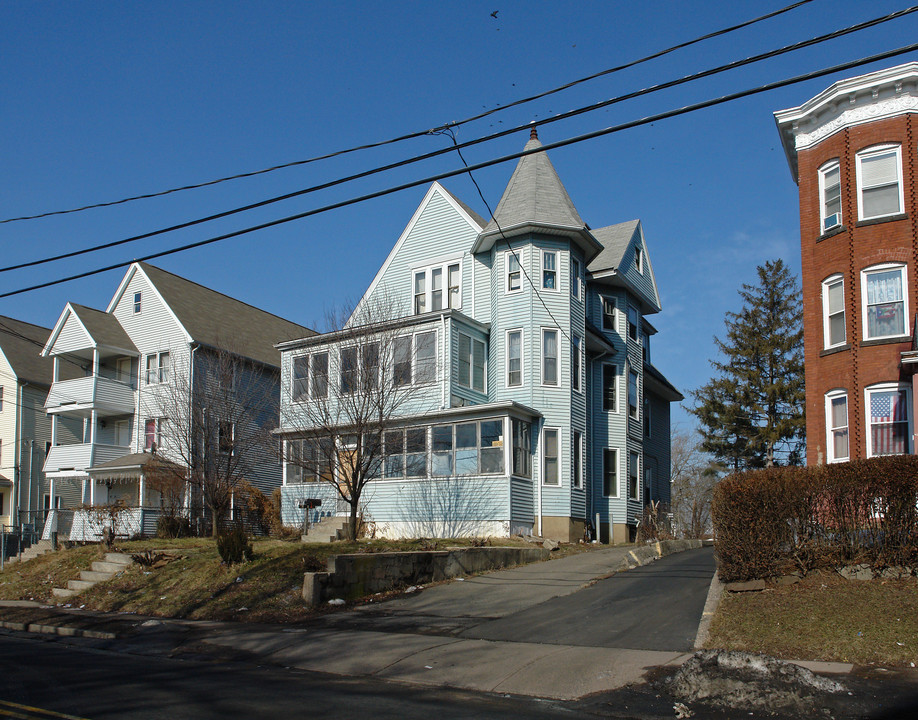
x: 21, y: 344
x: 103, y: 328
x: 615, y: 240
x: 212, y: 318
x: 615, y: 265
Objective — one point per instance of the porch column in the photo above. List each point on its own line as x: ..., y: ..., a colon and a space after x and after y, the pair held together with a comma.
x: 140, y: 490
x: 92, y: 491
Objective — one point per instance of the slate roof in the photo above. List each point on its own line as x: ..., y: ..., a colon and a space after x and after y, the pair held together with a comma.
x: 103, y: 328
x: 21, y: 343
x: 535, y: 195
x: 217, y: 320
x: 615, y: 240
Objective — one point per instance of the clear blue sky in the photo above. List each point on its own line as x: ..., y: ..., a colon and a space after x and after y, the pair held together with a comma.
x: 103, y: 100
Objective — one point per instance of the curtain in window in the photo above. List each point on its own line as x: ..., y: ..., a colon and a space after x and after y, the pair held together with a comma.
x: 885, y: 314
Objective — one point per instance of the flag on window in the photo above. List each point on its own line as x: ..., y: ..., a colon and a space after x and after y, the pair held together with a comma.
x: 889, y: 423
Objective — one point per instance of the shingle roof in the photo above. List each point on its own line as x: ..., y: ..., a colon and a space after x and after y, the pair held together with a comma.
x: 103, y: 328
x: 535, y: 195
x: 474, y: 215
x: 22, y: 343
x: 215, y: 319
x: 615, y: 240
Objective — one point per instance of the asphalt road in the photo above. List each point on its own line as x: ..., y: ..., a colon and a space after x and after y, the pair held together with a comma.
x: 654, y: 607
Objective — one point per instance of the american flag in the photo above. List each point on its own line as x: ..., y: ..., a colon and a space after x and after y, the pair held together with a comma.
x: 889, y: 423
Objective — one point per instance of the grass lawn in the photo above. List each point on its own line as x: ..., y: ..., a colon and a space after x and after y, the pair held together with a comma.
x: 824, y: 617
x: 196, y: 584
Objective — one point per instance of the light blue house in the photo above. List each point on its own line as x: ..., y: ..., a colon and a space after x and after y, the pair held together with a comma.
x: 521, y: 346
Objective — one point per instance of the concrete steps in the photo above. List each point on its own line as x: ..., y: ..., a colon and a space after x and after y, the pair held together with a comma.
x: 102, y: 570
x: 326, y: 530
x: 33, y: 551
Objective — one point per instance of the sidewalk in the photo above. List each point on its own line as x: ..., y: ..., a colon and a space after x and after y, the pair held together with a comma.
x: 420, y: 645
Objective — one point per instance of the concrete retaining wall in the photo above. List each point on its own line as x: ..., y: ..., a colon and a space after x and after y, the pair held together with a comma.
x: 354, y: 576
x: 643, y: 554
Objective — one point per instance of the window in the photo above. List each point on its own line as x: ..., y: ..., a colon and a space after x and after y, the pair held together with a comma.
x: 550, y: 474
x: 889, y: 427
x: 319, y: 366
x: 470, y: 371
x: 879, y: 190
x: 154, y: 431
x: 610, y: 472
x: 639, y: 259
x: 226, y: 437
x: 645, y: 347
x: 347, y: 358
x: 577, y: 452
x: 549, y: 269
x: 633, y: 475
x: 514, y: 358
x: 137, y: 298
x: 300, y: 379
x: 470, y: 448
x: 837, y: 426
x: 608, y: 314
x: 633, y: 395
x: 401, y: 359
x: 632, y: 323
x: 416, y: 452
x: 369, y: 366
x: 576, y: 362
x: 609, y: 388
x: 549, y: 357
x: 646, y: 417
x: 830, y: 196
x: 885, y: 304
x: 437, y: 288
x: 513, y: 271
x: 415, y: 358
x: 833, y: 311
x: 522, y: 448
x: 576, y: 278
x: 158, y: 367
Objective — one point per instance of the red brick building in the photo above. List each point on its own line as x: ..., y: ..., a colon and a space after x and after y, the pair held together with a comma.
x: 852, y: 152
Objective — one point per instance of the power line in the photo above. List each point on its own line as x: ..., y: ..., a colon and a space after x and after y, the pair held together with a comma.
x: 488, y: 163
x: 475, y: 141
x: 421, y: 133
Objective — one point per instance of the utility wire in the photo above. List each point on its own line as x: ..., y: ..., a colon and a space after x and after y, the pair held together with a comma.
x: 488, y: 163
x: 420, y: 133
x: 475, y: 141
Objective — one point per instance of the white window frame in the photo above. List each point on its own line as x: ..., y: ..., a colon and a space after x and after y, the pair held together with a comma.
x: 639, y: 259
x: 577, y: 459
x: 602, y: 386
x: 413, y: 349
x: 519, y: 255
x: 576, y: 277
x: 836, y: 218
x: 138, y: 298
x: 577, y: 363
x: 868, y: 153
x: 885, y: 267
x: 469, y: 380
x: 159, y: 372
x: 544, y: 357
x: 605, y: 471
x: 603, y: 299
x: 304, y: 396
x: 542, y: 270
x: 831, y: 429
x: 886, y: 387
x: 446, y: 296
x: 636, y: 476
x: 827, y: 316
x: 543, y: 456
x: 507, y: 355
x: 637, y: 395
x: 634, y: 327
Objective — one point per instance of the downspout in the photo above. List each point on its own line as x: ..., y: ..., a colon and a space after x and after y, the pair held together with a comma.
x: 593, y: 514
x: 190, y: 441
x: 17, y: 475
x: 447, y: 362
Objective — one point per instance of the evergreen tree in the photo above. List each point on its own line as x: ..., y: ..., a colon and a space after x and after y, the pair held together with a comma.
x: 752, y: 412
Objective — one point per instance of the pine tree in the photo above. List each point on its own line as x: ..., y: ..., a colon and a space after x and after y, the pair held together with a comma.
x: 752, y: 412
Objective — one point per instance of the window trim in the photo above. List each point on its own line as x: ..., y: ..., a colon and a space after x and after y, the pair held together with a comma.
x: 602, y: 387
x: 830, y: 429
x: 413, y: 356
x: 543, y: 457
x: 829, y: 282
x: 427, y: 272
x: 885, y: 267
x: 639, y: 258
x: 577, y: 460
x: 879, y: 150
x: 520, y: 256
x: 822, y: 172
x: 577, y: 367
x: 542, y: 270
x: 633, y: 327
x: 160, y: 376
x: 605, y: 471
x: 470, y: 384
x: 507, y: 370
x: 636, y: 476
x: 138, y: 300
x: 886, y: 387
x: 603, y: 299
x: 637, y: 395
x: 557, y: 357
x: 576, y: 278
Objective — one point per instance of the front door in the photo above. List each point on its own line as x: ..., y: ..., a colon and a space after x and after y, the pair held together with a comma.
x: 123, y: 433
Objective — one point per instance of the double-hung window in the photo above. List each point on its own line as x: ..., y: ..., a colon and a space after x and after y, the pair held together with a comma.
x: 514, y: 358
x: 576, y: 278
x: 154, y: 431
x: 347, y: 359
x: 879, y: 182
x: 609, y: 388
x: 470, y: 371
x: 576, y: 362
x: 414, y: 358
x: 522, y: 448
x: 837, y: 425
x: 833, y: 311
x: 830, y: 196
x: 610, y: 472
x: 549, y: 357
x: 634, y: 460
x: 633, y: 395
x: 577, y: 452
x: 608, y: 314
x: 885, y: 301
x: 158, y: 368
x: 319, y: 376
x: 889, y: 420
x: 633, y: 321
x: 550, y: 457
x: 137, y: 298
x: 550, y: 269
x: 437, y: 288
x: 513, y: 271
x: 300, y: 378
x: 226, y: 437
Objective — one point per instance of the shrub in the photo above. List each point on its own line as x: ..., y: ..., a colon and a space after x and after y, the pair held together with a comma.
x: 173, y: 527
x: 233, y: 545
x: 260, y: 511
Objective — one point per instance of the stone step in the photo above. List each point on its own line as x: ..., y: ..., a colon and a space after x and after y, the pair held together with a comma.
x: 63, y: 592
x: 80, y: 585
x: 95, y: 576
x: 317, y: 539
x: 103, y: 566
x: 122, y: 558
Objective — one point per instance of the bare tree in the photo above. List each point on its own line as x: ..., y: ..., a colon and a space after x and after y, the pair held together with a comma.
x: 348, y: 392
x: 693, y: 474
x: 218, y: 415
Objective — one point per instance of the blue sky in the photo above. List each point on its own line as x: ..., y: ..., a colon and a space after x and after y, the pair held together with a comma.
x: 104, y: 100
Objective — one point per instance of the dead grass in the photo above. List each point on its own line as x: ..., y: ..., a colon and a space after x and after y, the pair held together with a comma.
x: 196, y: 585
x: 824, y: 617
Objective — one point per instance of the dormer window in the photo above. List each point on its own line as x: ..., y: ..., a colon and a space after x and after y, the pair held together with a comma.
x: 639, y: 259
x: 829, y: 196
x: 136, y: 303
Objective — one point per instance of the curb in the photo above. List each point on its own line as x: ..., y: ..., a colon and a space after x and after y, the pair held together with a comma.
x: 60, y: 630
x: 715, y: 593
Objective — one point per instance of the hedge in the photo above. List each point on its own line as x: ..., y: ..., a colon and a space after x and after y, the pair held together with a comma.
x: 769, y: 522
